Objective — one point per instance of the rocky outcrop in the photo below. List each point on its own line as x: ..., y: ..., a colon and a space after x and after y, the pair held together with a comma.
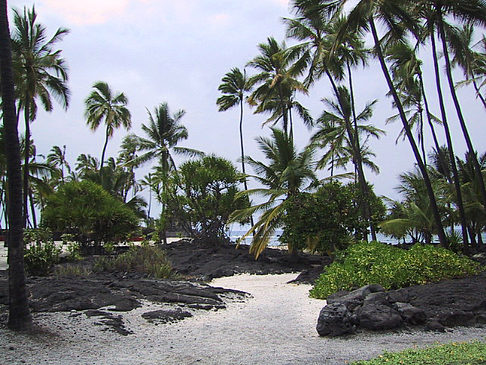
x: 371, y: 308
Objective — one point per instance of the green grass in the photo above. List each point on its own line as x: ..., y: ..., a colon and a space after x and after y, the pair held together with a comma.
x: 148, y: 260
x: 391, y: 267
x: 466, y: 353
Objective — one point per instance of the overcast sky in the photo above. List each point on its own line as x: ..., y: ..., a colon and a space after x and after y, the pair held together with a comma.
x: 177, y: 52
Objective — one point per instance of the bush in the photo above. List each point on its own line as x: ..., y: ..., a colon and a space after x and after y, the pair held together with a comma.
x: 327, y: 220
x: 472, y: 353
x: 88, y: 212
x: 148, y: 260
x: 40, y: 254
x: 391, y: 267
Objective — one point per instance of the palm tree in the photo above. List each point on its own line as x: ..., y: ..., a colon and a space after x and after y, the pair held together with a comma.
x: 19, y: 317
x: 393, y: 14
x: 39, y: 73
x: 102, y: 105
x: 340, y: 114
x: 285, y: 174
x: 86, y: 164
x: 57, y: 158
x: 163, y: 132
x: 407, y: 70
x: 234, y: 86
x: 277, y: 83
x: 471, y: 62
x: 435, y: 12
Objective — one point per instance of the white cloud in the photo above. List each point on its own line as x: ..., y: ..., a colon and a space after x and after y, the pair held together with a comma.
x: 87, y: 12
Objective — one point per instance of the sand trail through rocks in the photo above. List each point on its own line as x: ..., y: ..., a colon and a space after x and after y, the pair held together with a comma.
x: 275, y: 326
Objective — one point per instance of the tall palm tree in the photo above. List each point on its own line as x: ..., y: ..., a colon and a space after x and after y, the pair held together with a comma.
x: 19, y: 317
x: 435, y: 13
x: 276, y: 82
x: 285, y: 173
x: 86, y: 164
x: 394, y: 15
x: 163, y: 132
x: 103, y: 105
x: 234, y: 86
x: 40, y: 73
x: 407, y: 71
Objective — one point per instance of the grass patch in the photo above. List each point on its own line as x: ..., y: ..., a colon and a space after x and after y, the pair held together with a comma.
x: 391, y: 267
x: 471, y: 353
x: 148, y: 260
x: 71, y: 271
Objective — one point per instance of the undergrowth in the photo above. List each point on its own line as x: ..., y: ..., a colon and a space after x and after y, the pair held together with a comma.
x: 148, y: 260
x: 391, y: 267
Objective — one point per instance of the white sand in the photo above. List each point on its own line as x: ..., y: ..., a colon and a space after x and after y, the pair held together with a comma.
x: 276, y: 326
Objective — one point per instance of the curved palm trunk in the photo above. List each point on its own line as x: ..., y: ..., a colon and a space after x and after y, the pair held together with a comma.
x: 19, y: 315
x: 450, y: 147
x: 462, y: 122
x: 245, y: 184
x: 362, y: 179
x: 103, y: 155
x: 408, y: 132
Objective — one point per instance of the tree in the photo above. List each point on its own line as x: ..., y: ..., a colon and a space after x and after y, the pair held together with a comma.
x: 234, y: 86
x: 39, y: 73
x: 163, y: 132
x: 277, y: 84
x: 340, y: 114
x: 85, y: 209
x: 201, y: 196
x: 102, y: 105
x: 391, y: 13
x: 19, y: 315
x: 435, y: 13
x: 57, y: 158
x: 286, y: 173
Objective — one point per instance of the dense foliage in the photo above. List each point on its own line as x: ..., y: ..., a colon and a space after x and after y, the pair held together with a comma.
x: 201, y: 196
x: 88, y: 212
x: 471, y: 353
x: 391, y: 267
x: 40, y: 254
x: 327, y: 220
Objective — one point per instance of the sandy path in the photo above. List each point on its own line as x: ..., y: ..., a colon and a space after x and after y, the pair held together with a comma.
x: 276, y: 326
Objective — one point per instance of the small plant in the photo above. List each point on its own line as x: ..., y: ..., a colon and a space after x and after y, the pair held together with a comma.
x: 148, y: 260
x: 73, y: 248
x: 391, y: 267
x: 41, y: 254
x: 71, y: 271
x: 109, y: 248
x: 472, y: 353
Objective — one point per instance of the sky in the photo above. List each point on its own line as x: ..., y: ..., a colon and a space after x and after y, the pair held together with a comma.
x: 177, y: 52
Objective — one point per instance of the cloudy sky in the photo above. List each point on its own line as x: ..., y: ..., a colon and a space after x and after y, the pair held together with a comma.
x: 177, y: 52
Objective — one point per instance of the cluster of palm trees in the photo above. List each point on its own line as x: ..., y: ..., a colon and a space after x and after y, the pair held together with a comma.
x: 330, y: 37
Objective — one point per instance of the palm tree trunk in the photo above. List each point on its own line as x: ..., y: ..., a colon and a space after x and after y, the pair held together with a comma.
x: 362, y: 180
x: 104, y: 150
x: 26, y: 160
x: 19, y: 315
x: 462, y: 122
x: 427, y: 111
x: 408, y: 132
x: 450, y: 147
x: 245, y: 184
x: 32, y: 209
x: 478, y: 91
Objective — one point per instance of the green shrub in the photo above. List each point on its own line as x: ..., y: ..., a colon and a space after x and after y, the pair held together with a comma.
x: 147, y: 260
x: 73, y: 248
x: 40, y: 254
x: 84, y: 209
x: 391, y: 267
x: 471, y: 353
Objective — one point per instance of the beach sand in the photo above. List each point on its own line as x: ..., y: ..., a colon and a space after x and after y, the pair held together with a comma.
x: 275, y: 326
